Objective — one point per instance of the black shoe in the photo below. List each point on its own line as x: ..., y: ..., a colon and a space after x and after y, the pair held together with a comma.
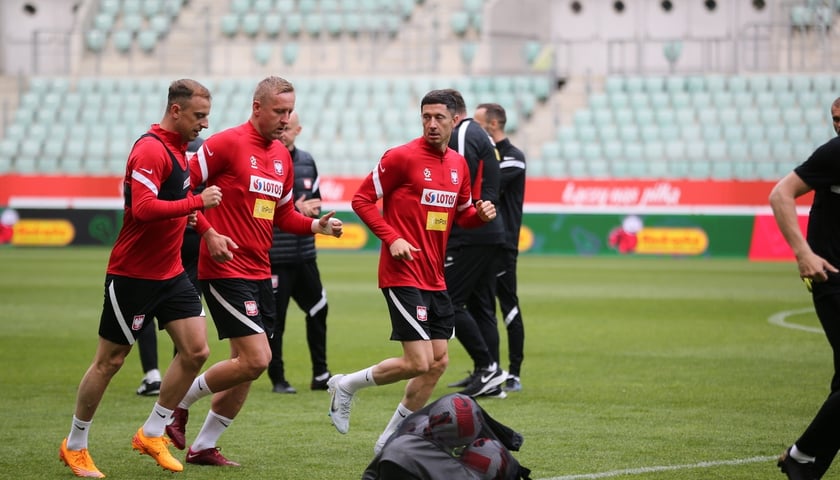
x: 494, y: 393
x: 320, y: 383
x: 484, y: 381
x: 512, y: 384
x: 796, y: 470
x: 463, y: 382
x: 148, y: 389
x: 283, y: 387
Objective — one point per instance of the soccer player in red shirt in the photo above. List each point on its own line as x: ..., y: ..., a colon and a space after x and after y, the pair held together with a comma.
x: 145, y: 278
x: 255, y: 171
x: 425, y: 188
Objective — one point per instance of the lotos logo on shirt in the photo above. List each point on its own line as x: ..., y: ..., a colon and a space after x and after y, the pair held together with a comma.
x: 438, y: 198
x: 266, y: 186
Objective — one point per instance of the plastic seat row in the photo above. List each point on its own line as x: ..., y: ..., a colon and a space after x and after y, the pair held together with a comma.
x: 715, y: 83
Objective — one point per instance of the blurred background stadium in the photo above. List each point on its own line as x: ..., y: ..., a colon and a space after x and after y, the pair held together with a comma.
x: 674, y: 89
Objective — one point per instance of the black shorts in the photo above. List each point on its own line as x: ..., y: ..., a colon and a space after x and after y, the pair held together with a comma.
x: 239, y: 307
x: 131, y: 303
x: 419, y: 314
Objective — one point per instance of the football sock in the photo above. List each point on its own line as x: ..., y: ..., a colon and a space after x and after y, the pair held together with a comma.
x: 396, y: 420
x: 198, y: 389
x: 801, y: 457
x: 153, y: 375
x: 356, y: 380
x: 78, y: 438
x: 213, y: 428
x: 157, y: 421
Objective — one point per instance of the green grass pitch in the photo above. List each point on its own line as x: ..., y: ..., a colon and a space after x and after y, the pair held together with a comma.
x: 635, y: 368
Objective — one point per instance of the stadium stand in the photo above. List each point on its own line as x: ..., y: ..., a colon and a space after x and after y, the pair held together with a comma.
x: 649, y: 124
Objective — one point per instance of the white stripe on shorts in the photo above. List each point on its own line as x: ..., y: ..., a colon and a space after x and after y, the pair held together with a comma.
x: 407, y: 316
x: 112, y: 296
x: 233, y: 311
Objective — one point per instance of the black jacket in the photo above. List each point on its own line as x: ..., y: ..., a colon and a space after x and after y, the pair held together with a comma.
x: 288, y: 247
x: 471, y: 141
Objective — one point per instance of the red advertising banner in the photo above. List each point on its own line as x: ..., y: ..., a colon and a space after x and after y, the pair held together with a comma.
x: 542, y: 194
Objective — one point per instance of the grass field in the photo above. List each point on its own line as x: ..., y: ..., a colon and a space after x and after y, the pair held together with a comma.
x: 635, y: 369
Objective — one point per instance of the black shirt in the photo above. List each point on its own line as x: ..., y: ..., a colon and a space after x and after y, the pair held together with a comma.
x: 512, y: 191
x: 822, y: 173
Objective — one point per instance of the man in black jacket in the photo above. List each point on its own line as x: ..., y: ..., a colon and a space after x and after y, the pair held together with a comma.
x: 492, y: 117
x: 471, y: 261
x: 295, y: 275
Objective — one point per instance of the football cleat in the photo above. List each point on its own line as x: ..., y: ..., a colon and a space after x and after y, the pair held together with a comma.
x: 148, y: 389
x: 209, y: 456
x: 283, y: 387
x: 79, y: 461
x: 157, y: 448
x: 340, y: 401
x: 484, y: 381
x: 512, y: 384
x: 796, y: 470
x: 177, y: 428
x: 320, y: 382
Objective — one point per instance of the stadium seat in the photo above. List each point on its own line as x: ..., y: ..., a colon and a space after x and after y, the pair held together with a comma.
x: 459, y: 22
x: 147, y: 40
x: 263, y: 52
x: 229, y: 24
x: 122, y: 40
x: 95, y: 40
x: 290, y: 53
x: 272, y: 24
x: 251, y: 24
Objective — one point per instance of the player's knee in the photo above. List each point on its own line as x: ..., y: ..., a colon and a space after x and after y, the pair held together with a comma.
x: 197, y: 356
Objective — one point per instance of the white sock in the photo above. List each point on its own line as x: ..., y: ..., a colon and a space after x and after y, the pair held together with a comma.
x: 213, y: 428
x: 153, y: 375
x: 356, y: 380
x: 78, y: 438
x: 156, y: 423
x: 396, y: 421
x: 198, y: 389
x: 800, y: 457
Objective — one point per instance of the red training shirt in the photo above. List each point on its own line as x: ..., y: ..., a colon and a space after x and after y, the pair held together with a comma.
x: 257, y: 181
x: 149, y: 243
x: 423, y: 191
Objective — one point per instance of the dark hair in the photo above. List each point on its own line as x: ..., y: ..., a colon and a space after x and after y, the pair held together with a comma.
x: 496, y: 112
x: 441, y: 97
x: 181, y: 91
x: 460, y: 104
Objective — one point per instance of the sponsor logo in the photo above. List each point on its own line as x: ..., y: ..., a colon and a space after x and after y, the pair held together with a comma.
x: 148, y: 171
x: 186, y: 183
x: 266, y: 186
x: 251, y: 308
x: 422, y: 313
x: 138, y: 321
x: 209, y: 152
x: 486, y: 378
x: 381, y: 168
x: 264, y: 209
x: 278, y: 167
x: 453, y: 176
x: 438, y: 198
x: 437, y: 221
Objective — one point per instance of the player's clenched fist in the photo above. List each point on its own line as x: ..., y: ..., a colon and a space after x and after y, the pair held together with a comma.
x: 212, y: 196
x: 486, y: 210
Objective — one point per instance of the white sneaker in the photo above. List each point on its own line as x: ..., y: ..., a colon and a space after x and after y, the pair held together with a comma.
x: 340, y: 401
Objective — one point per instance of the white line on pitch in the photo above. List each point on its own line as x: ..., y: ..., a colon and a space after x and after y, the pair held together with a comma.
x: 780, y: 319
x: 662, y: 468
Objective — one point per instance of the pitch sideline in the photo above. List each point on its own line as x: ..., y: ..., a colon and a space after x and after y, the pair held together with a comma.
x: 662, y: 468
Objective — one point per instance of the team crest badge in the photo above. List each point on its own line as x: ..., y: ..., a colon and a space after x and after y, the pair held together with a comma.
x: 427, y: 175
x: 307, y: 183
x: 453, y: 176
x: 253, y: 161
x: 278, y: 167
x: 138, y: 322
x: 422, y: 313
x: 251, y: 308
